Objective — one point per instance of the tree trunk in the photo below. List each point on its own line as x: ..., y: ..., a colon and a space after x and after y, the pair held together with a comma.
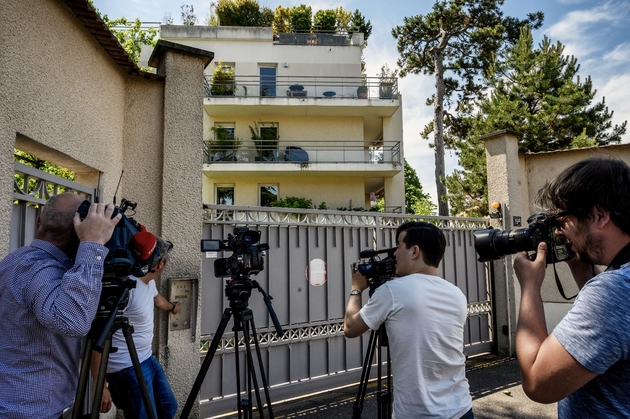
x: 438, y: 133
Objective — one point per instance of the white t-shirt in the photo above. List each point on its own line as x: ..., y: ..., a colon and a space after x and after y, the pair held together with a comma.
x: 139, y: 311
x: 424, y: 319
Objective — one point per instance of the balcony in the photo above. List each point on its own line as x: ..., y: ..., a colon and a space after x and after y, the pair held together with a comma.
x: 381, y: 158
x: 299, y: 87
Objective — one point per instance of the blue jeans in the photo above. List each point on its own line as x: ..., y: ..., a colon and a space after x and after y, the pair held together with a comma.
x: 125, y: 391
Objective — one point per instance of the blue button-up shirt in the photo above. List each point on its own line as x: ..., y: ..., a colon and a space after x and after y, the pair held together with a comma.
x: 47, y: 303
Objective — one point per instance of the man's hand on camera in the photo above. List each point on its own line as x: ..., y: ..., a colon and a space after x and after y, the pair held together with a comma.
x: 531, y: 273
x: 359, y: 282
x: 98, y: 225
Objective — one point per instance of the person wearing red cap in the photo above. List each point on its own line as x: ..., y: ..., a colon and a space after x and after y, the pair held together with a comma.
x: 123, y: 389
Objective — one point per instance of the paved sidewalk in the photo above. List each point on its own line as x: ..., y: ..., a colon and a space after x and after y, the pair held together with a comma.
x: 494, y: 385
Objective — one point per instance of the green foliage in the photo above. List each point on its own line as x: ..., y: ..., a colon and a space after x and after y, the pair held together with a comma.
x: 45, y: 166
x: 365, y: 27
x: 223, y: 145
x: 344, y: 19
x: 266, y: 141
x: 325, y: 20
x: 189, y: 18
x: 322, y: 206
x: 222, y: 80
x: 461, y: 37
x: 538, y: 93
x: 301, y: 18
x: 416, y: 201
x: 131, y: 35
x: 243, y: 13
x: 293, y: 202
x: 282, y: 20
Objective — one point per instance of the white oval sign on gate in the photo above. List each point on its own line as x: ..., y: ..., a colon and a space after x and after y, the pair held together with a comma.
x: 316, y: 272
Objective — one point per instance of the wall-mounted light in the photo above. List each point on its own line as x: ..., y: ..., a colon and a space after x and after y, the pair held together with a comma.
x: 495, y: 210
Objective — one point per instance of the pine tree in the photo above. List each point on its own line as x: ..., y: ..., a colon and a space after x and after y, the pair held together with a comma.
x: 538, y: 93
x: 460, y: 37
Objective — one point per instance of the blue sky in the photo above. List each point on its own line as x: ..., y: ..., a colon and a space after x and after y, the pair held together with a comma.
x: 594, y: 31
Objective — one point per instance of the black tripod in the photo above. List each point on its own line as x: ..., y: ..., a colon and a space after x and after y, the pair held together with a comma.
x: 238, y: 292
x: 378, y: 339
x: 115, y: 295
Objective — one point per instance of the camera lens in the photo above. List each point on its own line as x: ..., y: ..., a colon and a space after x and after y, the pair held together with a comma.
x: 494, y: 244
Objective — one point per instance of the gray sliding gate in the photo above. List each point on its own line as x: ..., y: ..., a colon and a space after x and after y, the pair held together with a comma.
x: 313, y: 354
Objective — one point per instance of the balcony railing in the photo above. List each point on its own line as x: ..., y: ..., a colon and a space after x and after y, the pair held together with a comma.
x: 306, y: 151
x: 323, y: 87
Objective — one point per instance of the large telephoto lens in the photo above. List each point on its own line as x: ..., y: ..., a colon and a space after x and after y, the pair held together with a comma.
x: 494, y: 244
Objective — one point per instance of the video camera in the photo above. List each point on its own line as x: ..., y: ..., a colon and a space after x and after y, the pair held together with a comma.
x: 494, y: 244
x: 132, y: 251
x: 377, y: 270
x: 247, y: 257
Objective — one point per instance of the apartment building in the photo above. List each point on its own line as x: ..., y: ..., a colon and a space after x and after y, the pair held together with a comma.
x: 290, y: 115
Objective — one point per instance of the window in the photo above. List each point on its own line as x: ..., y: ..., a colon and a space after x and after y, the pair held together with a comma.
x: 225, y: 194
x: 268, y: 195
x: 267, y: 142
x: 268, y: 81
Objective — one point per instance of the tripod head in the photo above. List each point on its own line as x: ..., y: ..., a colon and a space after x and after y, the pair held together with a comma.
x: 239, y: 289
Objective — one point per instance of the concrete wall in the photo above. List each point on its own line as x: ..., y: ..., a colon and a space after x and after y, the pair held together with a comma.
x: 514, y: 180
x: 66, y: 100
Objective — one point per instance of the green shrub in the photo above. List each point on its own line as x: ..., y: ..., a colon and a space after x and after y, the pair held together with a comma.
x: 293, y: 202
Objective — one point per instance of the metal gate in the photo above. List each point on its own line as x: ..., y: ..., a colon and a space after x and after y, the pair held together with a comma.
x: 31, y: 189
x: 313, y: 355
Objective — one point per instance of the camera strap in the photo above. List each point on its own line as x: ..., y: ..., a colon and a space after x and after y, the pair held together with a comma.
x: 622, y: 258
x: 559, y: 285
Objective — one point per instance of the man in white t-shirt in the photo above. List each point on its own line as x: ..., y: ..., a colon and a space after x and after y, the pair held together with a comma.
x: 123, y: 388
x: 424, y: 318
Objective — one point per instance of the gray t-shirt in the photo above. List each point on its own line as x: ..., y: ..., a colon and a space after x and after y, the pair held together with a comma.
x: 596, y: 332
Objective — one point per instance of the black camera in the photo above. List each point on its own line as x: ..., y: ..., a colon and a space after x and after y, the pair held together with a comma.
x: 247, y: 257
x: 375, y: 269
x: 124, y: 258
x: 494, y: 244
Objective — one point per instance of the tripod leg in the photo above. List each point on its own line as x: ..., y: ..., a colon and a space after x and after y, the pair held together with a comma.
x: 127, y: 331
x: 83, y: 379
x: 384, y: 397
x: 357, y: 408
x: 249, y: 321
x: 206, y: 363
x: 100, y: 380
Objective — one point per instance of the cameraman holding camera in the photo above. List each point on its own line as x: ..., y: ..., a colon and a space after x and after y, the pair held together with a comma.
x: 49, y: 295
x: 123, y: 388
x: 584, y: 364
x: 424, y: 317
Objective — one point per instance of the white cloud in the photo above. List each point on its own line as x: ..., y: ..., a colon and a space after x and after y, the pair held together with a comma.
x: 583, y: 32
x: 619, y: 55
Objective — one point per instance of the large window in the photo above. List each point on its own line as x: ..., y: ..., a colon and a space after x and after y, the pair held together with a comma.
x: 225, y: 194
x: 267, y: 142
x: 268, y: 195
x: 268, y: 81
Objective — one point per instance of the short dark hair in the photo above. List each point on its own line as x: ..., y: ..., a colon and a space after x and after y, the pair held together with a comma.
x: 602, y: 183
x: 427, y: 237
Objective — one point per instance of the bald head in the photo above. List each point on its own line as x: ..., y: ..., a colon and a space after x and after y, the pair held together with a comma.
x: 55, y: 223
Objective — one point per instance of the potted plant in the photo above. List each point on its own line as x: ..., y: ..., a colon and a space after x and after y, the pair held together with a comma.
x: 266, y: 139
x: 223, y: 146
x: 362, y: 92
x: 222, y: 81
x: 387, y: 82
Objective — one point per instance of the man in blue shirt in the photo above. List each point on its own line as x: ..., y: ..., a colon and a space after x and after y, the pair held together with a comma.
x: 584, y: 364
x: 49, y: 293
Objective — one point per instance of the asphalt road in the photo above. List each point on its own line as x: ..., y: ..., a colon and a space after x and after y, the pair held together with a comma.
x: 494, y: 385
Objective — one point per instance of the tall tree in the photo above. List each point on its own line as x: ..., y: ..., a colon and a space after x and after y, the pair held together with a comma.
x: 460, y: 36
x: 538, y: 93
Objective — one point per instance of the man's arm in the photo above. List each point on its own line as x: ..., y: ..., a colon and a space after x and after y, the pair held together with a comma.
x: 163, y: 304
x: 353, y: 324
x: 548, y: 371
x: 106, y: 399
